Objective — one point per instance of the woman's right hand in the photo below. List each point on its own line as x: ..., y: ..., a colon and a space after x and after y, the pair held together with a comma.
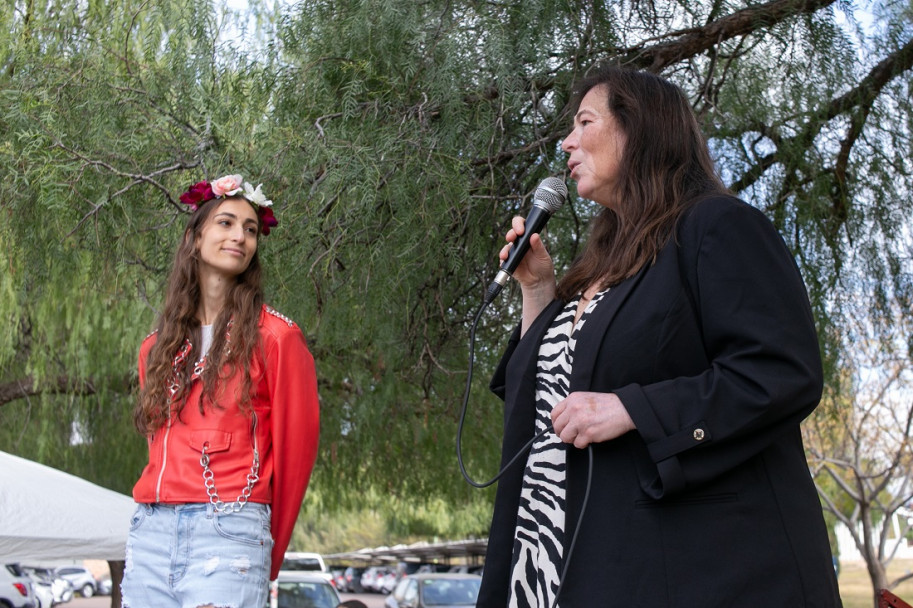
x: 535, y: 273
x: 536, y: 270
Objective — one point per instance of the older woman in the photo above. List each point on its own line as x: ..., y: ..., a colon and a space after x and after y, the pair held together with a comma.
x: 679, y: 351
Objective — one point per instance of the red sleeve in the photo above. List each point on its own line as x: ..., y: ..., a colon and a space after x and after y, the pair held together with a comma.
x: 143, y: 355
x: 295, y: 428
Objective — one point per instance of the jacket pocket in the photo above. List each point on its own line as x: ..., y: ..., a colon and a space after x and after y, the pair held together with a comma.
x: 686, y: 501
x: 213, y: 440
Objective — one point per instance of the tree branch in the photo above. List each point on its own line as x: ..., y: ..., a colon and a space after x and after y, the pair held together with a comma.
x: 859, y: 98
x: 28, y: 387
x: 698, y: 40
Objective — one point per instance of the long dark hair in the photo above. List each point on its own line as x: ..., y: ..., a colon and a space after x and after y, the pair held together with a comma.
x: 665, y: 167
x: 178, y: 322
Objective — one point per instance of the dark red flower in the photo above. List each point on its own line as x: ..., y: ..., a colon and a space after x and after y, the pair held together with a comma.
x: 267, y: 219
x: 198, y: 193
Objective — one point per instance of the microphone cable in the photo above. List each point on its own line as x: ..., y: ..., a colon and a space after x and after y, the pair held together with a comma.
x: 521, y: 452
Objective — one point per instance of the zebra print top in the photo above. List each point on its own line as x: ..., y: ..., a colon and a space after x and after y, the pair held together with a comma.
x: 539, y: 537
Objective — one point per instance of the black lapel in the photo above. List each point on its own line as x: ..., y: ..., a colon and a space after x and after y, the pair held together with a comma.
x: 597, y: 324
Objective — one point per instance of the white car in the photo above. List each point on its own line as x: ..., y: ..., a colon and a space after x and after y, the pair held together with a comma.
x: 306, y: 562
x: 104, y: 585
x: 302, y: 589
x: 80, y: 577
x: 50, y: 589
x: 44, y: 595
x: 387, y: 582
x: 372, y: 579
x: 16, y: 588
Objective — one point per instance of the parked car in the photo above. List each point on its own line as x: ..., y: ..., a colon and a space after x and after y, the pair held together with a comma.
x: 338, y: 579
x: 16, y: 589
x: 50, y: 589
x: 372, y: 578
x: 63, y: 589
x: 352, y: 579
x: 386, y: 582
x: 302, y: 589
x: 306, y: 562
x: 303, y: 562
x: 104, y: 585
x: 439, y: 589
x: 44, y: 595
x: 81, y: 578
x: 404, y: 568
x: 464, y: 569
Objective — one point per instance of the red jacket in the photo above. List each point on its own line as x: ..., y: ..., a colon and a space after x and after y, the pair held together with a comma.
x: 285, y: 427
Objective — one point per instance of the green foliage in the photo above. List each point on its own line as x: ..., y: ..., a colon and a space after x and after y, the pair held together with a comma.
x: 375, y: 522
x: 396, y: 138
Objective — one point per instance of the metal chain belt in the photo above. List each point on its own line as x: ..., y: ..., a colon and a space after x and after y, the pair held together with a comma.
x: 208, y: 480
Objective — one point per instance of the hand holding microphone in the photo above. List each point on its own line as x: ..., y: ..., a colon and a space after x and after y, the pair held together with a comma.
x: 548, y: 198
x: 536, y: 267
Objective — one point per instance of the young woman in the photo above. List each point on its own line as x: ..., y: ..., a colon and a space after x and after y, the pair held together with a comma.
x: 228, y: 403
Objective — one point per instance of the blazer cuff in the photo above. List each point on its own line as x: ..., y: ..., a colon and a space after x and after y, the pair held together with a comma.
x: 668, y: 476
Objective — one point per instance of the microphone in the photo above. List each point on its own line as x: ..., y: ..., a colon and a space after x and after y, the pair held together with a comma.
x: 548, y: 198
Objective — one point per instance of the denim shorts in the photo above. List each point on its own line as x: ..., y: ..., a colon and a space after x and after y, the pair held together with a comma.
x: 189, y: 555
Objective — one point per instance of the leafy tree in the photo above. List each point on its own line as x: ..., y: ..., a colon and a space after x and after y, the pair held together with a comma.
x: 397, y: 138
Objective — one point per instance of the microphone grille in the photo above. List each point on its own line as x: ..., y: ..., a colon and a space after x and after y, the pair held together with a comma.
x: 552, y: 192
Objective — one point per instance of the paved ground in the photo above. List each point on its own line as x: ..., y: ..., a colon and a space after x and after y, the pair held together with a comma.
x: 372, y: 600
x: 99, y: 601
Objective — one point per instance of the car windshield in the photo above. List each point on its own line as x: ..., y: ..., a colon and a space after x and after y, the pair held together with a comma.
x: 450, y: 592
x: 306, y: 595
x: 308, y: 564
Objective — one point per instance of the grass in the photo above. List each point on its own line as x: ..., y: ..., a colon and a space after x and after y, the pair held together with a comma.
x: 856, y: 586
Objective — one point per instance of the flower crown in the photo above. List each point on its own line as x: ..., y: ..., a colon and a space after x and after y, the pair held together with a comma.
x: 232, y: 185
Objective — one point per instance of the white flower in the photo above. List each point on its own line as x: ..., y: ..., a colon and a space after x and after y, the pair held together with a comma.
x: 256, y: 196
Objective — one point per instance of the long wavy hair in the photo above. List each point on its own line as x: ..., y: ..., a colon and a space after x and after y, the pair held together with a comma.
x: 665, y: 167
x: 178, y: 322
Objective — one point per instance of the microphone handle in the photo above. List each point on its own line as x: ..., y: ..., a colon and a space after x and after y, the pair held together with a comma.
x: 535, y: 222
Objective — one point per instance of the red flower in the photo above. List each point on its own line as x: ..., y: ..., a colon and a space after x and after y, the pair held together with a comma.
x: 267, y: 219
x: 198, y: 193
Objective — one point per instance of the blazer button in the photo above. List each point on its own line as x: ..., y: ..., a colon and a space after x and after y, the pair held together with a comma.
x: 698, y: 434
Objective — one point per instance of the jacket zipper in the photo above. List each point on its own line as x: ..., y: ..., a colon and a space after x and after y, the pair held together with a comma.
x: 158, y: 484
x: 253, y: 436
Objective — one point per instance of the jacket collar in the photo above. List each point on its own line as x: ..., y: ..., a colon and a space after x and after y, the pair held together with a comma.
x: 597, y: 325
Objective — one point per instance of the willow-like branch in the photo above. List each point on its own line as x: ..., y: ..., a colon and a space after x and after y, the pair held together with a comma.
x: 698, y: 40
x: 859, y: 99
x: 61, y: 385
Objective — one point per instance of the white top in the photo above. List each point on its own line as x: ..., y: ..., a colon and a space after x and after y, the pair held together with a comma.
x: 206, y: 331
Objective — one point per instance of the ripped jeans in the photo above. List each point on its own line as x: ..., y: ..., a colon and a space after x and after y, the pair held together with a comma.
x: 184, y: 556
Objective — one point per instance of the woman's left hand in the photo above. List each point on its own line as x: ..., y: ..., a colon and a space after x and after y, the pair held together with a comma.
x: 584, y: 418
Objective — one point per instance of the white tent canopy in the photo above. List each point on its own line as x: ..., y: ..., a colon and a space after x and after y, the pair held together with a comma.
x: 47, y: 515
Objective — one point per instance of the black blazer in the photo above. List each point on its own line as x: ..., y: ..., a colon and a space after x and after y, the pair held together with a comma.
x: 709, y: 503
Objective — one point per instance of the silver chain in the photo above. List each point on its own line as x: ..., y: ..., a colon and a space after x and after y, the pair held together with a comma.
x: 209, y: 481
x: 208, y: 476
